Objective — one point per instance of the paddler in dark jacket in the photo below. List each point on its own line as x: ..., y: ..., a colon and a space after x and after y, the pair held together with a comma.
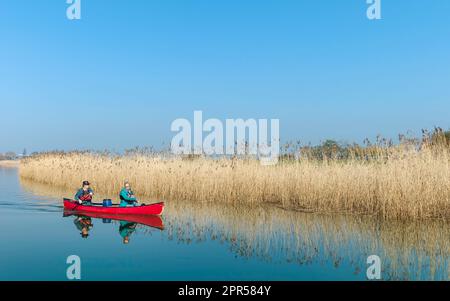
x: 127, y: 197
x: 84, y: 194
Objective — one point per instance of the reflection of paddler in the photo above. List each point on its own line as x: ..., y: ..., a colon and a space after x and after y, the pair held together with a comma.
x: 126, y: 229
x: 84, y: 224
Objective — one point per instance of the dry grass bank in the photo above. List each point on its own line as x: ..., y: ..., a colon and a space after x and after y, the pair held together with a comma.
x: 400, y: 182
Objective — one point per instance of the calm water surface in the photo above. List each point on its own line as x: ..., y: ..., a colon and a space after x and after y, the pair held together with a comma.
x: 207, y: 242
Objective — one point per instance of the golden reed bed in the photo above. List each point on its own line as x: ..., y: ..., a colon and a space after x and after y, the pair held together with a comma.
x: 400, y: 182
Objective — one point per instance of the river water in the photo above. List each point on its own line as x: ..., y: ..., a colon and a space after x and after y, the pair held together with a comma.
x: 195, y: 241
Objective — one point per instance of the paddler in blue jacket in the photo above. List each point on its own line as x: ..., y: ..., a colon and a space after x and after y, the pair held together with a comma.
x: 84, y: 194
x: 127, y: 197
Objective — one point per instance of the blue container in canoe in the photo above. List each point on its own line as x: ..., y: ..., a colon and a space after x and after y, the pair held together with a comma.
x: 107, y: 203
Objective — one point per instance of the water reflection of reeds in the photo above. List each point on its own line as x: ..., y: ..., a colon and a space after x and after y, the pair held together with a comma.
x: 408, y: 249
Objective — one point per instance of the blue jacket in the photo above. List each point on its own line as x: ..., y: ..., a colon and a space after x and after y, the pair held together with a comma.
x: 125, y: 196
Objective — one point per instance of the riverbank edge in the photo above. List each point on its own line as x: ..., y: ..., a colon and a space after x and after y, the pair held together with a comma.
x: 9, y: 163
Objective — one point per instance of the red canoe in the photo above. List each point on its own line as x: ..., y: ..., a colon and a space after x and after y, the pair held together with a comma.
x: 152, y: 209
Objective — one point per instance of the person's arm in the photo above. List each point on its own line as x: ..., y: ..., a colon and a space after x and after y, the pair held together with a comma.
x: 124, y: 195
x: 78, y: 195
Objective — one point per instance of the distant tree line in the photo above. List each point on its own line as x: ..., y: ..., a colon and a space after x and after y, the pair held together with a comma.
x: 8, y: 156
x: 331, y: 149
x: 13, y: 155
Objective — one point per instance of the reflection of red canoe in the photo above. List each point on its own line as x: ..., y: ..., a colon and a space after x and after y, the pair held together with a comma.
x: 152, y: 209
x: 148, y: 220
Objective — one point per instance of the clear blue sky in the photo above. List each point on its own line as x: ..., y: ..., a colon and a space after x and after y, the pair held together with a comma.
x: 118, y: 77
